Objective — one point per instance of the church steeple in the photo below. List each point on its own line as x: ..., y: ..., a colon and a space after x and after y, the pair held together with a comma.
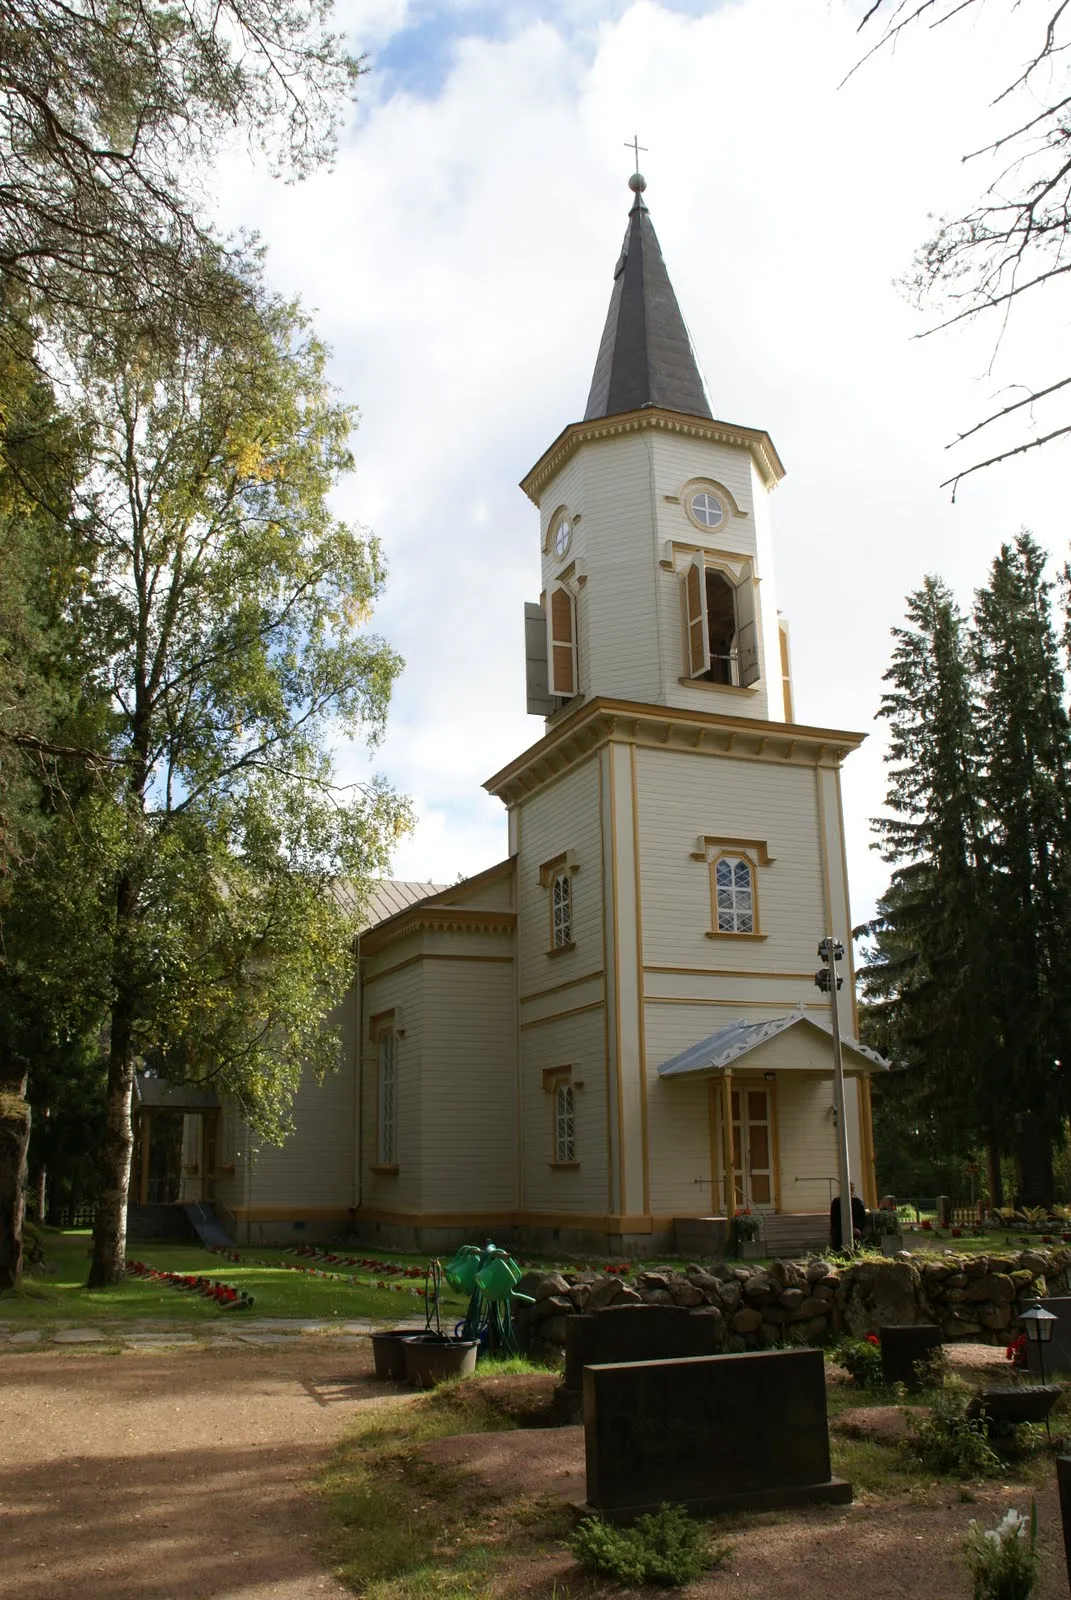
x: 645, y: 358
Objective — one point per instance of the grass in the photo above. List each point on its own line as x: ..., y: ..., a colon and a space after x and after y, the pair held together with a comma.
x: 403, y: 1528
x: 61, y: 1296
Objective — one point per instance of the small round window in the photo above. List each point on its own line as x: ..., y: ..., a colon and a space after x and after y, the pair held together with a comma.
x: 562, y: 536
x: 706, y: 509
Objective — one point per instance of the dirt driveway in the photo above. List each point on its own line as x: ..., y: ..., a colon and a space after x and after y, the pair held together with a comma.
x: 177, y: 1476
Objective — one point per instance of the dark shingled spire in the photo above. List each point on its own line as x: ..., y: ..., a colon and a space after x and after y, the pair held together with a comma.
x: 645, y: 358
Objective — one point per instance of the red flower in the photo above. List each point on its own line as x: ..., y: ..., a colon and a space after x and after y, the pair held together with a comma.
x: 872, y: 1338
x: 1016, y: 1349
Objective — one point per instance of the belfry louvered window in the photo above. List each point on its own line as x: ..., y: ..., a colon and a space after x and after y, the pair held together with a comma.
x: 720, y: 631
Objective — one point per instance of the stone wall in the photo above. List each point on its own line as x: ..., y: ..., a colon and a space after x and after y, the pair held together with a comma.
x: 967, y: 1296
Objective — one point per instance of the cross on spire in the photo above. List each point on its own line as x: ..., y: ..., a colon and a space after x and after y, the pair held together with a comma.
x: 635, y: 146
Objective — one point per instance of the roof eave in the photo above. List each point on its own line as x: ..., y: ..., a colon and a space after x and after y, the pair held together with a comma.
x: 715, y: 431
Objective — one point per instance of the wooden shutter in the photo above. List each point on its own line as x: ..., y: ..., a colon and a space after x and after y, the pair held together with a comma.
x: 747, y: 633
x: 694, y: 610
x: 562, y: 625
x: 538, y: 702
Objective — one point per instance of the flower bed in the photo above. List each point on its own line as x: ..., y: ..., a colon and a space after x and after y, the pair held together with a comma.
x: 226, y: 1296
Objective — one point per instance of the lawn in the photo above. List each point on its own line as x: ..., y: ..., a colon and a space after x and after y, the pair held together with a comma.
x: 61, y: 1295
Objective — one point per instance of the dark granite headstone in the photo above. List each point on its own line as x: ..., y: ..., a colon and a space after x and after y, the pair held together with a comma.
x: 714, y: 1433
x: 635, y: 1333
x: 1057, y: 1353
x: 902, y: 1347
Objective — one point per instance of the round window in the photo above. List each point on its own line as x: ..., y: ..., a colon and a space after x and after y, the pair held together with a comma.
x: 563, y: 536
x: 707, y: 509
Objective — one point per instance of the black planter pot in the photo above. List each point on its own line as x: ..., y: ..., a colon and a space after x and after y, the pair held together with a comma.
x: 431, y: 1358
x: 389, y: 1354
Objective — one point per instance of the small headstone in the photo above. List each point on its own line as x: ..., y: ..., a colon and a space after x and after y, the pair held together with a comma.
x: 634, y: 1333
x: 903, y: 1347
x: 714, y: 1433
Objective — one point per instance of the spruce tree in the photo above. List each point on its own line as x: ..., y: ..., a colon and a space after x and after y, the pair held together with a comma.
x: 1025, y: 752
x: 927, y: 981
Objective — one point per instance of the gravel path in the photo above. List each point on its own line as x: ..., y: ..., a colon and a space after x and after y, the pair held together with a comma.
x: 182, y: 1475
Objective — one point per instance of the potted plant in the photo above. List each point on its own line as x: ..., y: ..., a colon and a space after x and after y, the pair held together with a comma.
x: 745, y: 1241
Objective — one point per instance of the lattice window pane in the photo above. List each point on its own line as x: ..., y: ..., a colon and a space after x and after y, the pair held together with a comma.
x: 734, y: 896
x: 562, y: 909
x: 564, y: 1123
x: 387, y: 1119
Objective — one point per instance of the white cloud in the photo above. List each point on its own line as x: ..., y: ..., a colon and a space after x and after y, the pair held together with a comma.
x: 460, y: 256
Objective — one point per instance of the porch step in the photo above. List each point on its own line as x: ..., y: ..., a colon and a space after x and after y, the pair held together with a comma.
x: 794, y: 1234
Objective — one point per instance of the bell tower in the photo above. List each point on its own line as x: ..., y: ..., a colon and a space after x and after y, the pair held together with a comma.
x: 657, y: 563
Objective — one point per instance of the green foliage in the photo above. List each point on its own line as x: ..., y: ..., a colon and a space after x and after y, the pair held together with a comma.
x: 664, y: 1547
x: 966, y: 984
x: 1002, y: 1561
x: 862, y: 1359
x: 949, y: 1442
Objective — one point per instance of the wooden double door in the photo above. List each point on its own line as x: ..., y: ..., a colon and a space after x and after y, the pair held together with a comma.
x: 753, y: 1174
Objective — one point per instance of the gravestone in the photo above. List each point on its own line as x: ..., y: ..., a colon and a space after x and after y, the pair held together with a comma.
x: 902, y: 1347
x: 713, y: 1433
x: 1057, y: 1353
x: 635, y: 1333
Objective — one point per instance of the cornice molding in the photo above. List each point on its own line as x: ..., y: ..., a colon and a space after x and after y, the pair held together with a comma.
x: 436, y: 919
x: 755, y: 440
x: 599, y: 722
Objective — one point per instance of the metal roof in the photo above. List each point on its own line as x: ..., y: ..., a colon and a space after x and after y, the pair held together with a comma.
x: 646, y: 356
x: 388, y: 896
x: 727, y: 1044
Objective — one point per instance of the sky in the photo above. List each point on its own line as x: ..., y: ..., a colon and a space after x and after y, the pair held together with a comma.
x: 458, y: 259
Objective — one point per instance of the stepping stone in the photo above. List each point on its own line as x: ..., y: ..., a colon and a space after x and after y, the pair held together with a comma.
x: 79, y: 1336
x: 29, y: 1336
x: 266, y: 1338
x: 158, y: 1338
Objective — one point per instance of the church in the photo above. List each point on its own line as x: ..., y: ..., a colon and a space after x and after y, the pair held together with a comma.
x: 612, y: 1040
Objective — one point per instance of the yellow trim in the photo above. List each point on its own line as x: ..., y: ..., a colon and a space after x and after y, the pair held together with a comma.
x: 696, y: 486
x: 388, y: 1169
x: 436, y: 919
x: 866, y: 1140
x: 728, y: 1177
x: 577, y: 1011
x: 736, y: 846
x: 617, y: 987
x: 742, y: 558
x: 599, y: 769
x: 641, y: 1017
x: 786, y: 669
x: 555, y: 988
x: 723, y: 933
x: 775, y: 1142
x: 552, y: 528
x: 722, y: 688
x: 294, y: 1213
x: 428, y: 955
x: 729, y: 972
x: 602, y: 1222
x: 755, y: 440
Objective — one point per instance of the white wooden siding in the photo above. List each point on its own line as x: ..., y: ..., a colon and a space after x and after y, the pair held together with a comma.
x: 576, y: 1041
x: 393, y: 981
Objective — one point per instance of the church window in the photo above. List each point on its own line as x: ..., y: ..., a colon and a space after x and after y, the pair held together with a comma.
x: 720, y: 634
x: 561, y: 624
x: 556, y: 877
x: 734, y: 895
x: 561, y: 903
x: 564, y: 1123
x: 563, y: 536
x: 707, y: 509
x: 387, y: 1099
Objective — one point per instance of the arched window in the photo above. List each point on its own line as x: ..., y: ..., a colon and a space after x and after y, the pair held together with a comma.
x: 564, y: 1123
x: 561, y: 910
x: 387, y: 1099
x: 734, y: 895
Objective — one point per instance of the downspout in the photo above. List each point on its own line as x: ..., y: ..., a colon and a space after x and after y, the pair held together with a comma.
x: 358, y: 1022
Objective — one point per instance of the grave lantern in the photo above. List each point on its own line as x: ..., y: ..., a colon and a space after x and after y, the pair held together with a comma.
x: 1038, y: 1325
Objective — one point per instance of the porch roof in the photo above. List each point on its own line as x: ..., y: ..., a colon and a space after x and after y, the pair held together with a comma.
x: 726, y: 1045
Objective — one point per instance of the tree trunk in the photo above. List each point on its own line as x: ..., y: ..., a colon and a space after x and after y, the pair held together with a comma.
x: 109, y: 1223
x: 14, y: 1143
x: 1033, y: 1161
x: 39, y: 1195
x: 994, y: 1176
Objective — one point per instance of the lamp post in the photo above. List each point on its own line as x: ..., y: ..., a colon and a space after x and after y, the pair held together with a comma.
x: 829, y: 980
x: 1038, y: 1324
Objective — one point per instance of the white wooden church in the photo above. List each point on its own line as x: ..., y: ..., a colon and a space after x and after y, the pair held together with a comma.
x: 616, y: 1028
